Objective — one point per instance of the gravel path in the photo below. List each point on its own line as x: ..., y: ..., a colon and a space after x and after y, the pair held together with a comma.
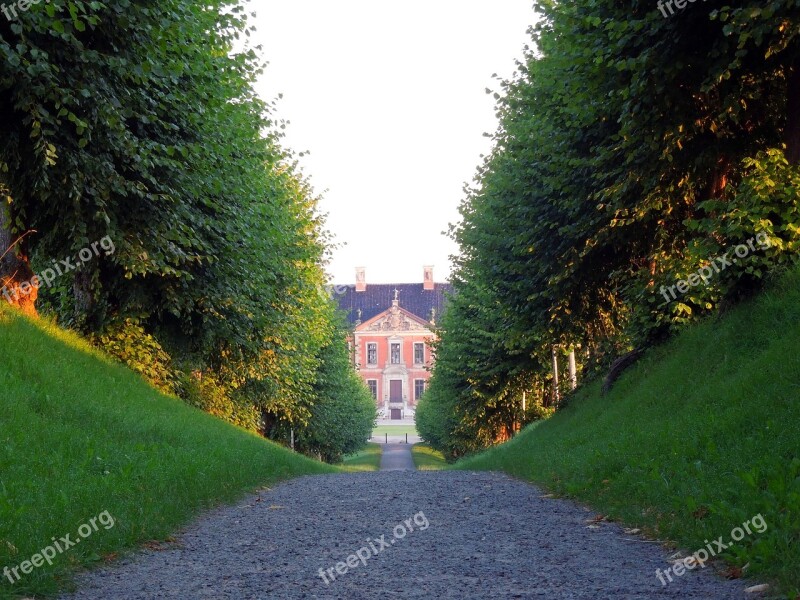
x: 475, y: 535
x: 397, y: 457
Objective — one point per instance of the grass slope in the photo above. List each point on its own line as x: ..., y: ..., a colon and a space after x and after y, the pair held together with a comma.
x: 699, y: 437
x: 427, y: 459
x: 80, y: 435
x: 368, y: 459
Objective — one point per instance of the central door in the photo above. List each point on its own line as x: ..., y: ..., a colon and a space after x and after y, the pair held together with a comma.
x: 396, y: 397
x: 395, y: 390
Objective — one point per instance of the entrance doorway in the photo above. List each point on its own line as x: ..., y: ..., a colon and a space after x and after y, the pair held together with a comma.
x: 396, y: 397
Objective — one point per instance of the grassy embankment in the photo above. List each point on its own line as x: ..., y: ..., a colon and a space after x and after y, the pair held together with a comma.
x: 368, y: 459
x: 699, y: 437
x: 427, y: 459
x: 81, y: 436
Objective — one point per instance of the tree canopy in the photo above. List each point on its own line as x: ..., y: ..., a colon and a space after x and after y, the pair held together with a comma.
x: 137, y: 123
x: 633, y: 150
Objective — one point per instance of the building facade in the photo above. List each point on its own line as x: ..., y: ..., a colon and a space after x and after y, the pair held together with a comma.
x: 393, y: 327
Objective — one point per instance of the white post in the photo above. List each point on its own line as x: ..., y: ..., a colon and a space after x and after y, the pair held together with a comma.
x: 573, y: 370
x: 292, y: 439
x: 524, y: 407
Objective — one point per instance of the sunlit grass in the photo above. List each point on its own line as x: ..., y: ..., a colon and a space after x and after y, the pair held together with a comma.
x: 394, y: 430
x: 427, y: 459
x: 700, y: 436
x: 80, y: 435
x: 368, y: 459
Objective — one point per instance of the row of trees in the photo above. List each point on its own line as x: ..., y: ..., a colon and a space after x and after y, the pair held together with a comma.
x: 632, y: 150
x: 136, y: 123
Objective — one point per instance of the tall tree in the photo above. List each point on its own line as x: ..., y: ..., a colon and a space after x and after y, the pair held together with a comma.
x: 633, y: 146
x: 136, y: 123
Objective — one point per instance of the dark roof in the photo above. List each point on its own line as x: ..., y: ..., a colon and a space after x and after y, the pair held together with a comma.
x: 378, y: 298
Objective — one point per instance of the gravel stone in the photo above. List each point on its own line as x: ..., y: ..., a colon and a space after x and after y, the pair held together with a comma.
x: 488, y: 536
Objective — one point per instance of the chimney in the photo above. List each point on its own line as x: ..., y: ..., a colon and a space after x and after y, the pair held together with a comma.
x: 361, y: 279
x: 428, y: 279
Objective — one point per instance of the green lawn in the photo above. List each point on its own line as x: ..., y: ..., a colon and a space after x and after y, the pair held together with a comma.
x: 82, y: 436
x: 427, y: 459
x: 698, y: 438
x: 368, y: 459
x: 396, y: 430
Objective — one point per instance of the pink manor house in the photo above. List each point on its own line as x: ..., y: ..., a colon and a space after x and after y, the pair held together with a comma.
x: 393, y: 327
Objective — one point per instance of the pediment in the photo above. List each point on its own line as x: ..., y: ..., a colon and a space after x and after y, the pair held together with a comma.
x: 395, y: 319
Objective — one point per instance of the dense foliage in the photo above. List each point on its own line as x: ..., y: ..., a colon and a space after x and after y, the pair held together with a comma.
x: 133, y: 145
x: 634, y: 151
x: 343, y: 411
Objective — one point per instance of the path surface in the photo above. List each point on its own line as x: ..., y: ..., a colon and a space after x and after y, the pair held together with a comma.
x: 397, y: 457
x: 475, y: 535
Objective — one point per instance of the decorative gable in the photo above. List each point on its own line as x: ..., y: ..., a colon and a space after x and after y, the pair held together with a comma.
x: 395, y: 319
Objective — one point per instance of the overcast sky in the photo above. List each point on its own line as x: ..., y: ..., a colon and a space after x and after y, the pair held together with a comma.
x: 389, y: 99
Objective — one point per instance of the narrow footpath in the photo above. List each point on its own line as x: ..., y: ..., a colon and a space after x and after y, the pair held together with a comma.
x: 397, y: 457
x: 402, y: 534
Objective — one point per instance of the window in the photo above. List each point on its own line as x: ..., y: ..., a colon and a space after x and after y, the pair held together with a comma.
x: 419, y: 388
x: 372, y: 354
x: 395, y: 354
x: 372, y: 384
x: 419, y: 353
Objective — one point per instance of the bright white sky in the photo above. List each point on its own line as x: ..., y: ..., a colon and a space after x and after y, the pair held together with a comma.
x: 389, y: 99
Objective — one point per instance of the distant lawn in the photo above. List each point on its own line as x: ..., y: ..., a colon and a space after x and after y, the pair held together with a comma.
x: 396, y: 430
x: 698, y: 438
x: 427, y: 459
x: 368, y: 459
x: 81, y: 436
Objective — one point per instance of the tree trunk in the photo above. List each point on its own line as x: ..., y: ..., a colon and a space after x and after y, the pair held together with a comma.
x: 19, y: 286
x: 720, y: 178
x: 84, y: 308
x: 619, y: 366
x: 555, y: 397
x: 573, y: 371
x: 268, y: 422
x: 793, y: 113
